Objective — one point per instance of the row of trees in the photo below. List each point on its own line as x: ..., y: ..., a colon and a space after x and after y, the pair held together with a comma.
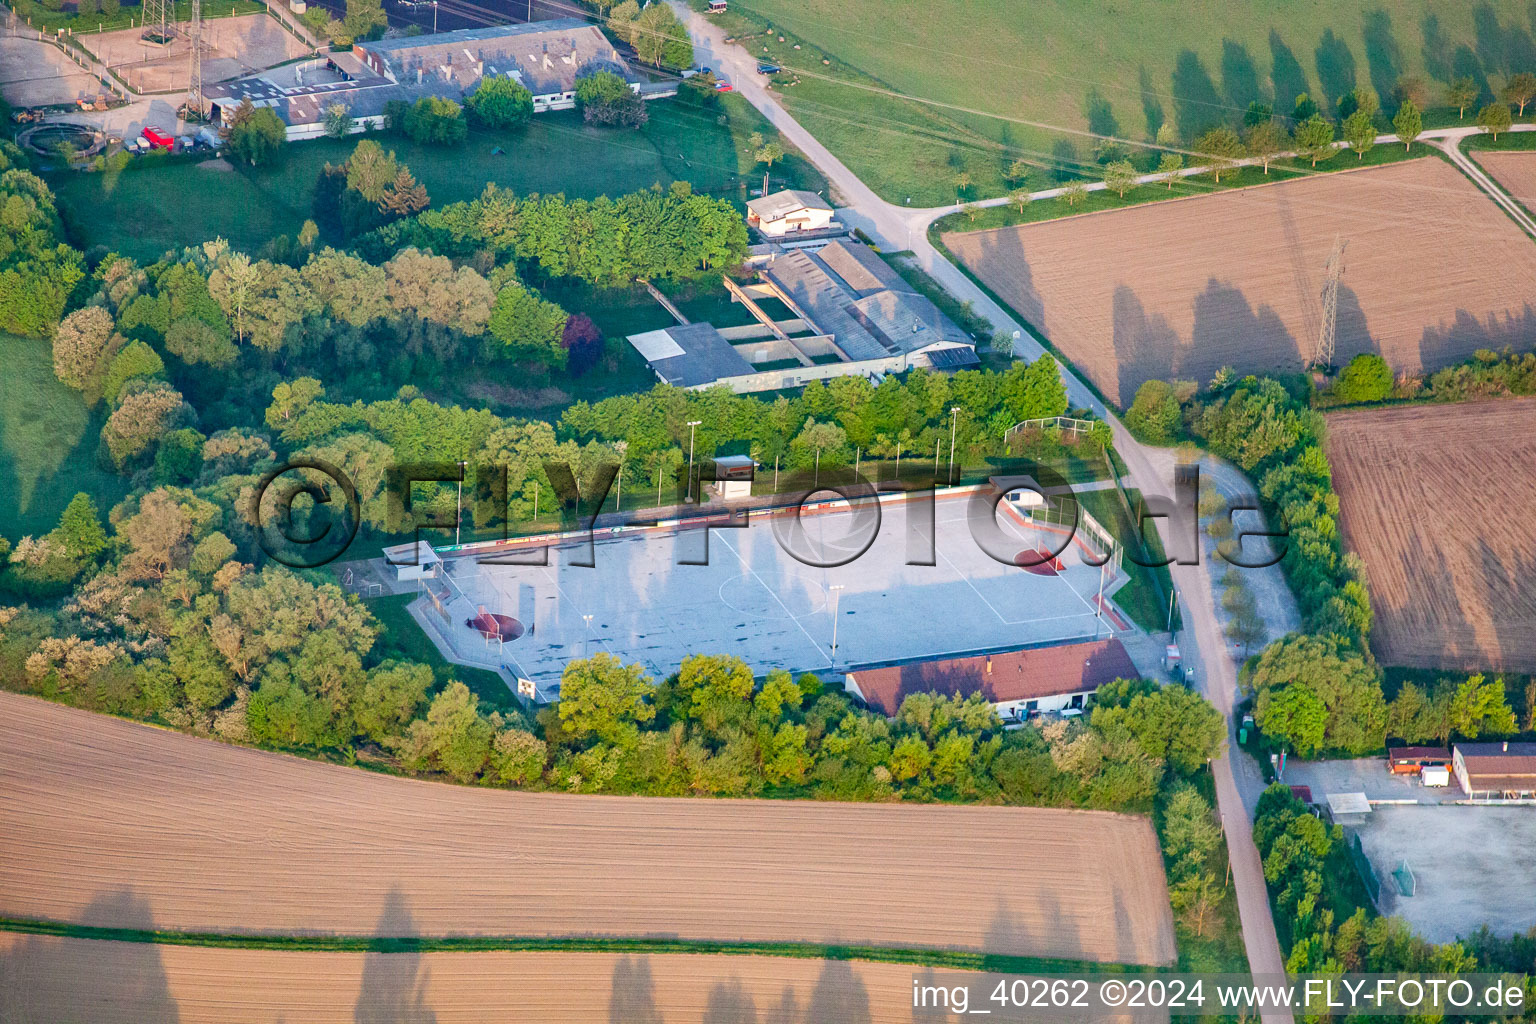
x: 646, y: 435
x: 1319, y: 695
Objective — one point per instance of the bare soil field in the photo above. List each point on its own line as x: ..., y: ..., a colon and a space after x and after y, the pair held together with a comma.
x: 44, y: 978
x: 34, y: 74
x: 117, y: 824
x: 1183, y: 287
x: 1436, y: 500
x: 1515, y: 171
x: 232, y: 46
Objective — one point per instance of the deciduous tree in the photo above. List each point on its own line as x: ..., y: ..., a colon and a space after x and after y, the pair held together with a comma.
x: 1408, y: 123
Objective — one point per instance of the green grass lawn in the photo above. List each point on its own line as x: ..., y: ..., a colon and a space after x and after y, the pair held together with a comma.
x: 1506, y: 142
x: 1144, y: 598
x: 48, y: 444
x: 1016, y: 79
x: 155, y: 205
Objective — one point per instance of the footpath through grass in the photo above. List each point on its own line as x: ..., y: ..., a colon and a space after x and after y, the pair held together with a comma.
x: 48, y: 443
x: 158, y: 203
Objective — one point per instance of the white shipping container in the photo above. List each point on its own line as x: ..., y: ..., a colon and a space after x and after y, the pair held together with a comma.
x: 1435, y: 775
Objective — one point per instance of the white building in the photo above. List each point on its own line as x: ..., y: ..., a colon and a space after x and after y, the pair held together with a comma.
x: 1020, y: 684
x: 415, y: 561
x: 789, y: 212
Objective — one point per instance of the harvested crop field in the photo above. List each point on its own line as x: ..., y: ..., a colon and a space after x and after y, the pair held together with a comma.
x: 1181, y: 288
x: 198, y: 836
x: 44, y: 978
x: 1436, y: 500
x: 1515, y: 171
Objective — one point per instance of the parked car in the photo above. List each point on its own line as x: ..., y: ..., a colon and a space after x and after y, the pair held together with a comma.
x: 724, y: 87
x: 768, y: 69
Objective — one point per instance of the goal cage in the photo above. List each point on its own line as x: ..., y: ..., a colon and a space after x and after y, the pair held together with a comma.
x: 1098, y: 541
x: 1407, y: 884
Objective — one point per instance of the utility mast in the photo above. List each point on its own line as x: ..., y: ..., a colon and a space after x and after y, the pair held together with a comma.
x: 195, y: 78
x: 1322, y: 359
x: 157, y: 20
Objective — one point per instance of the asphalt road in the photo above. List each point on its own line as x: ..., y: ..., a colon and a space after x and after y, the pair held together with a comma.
x: 1149, y: 470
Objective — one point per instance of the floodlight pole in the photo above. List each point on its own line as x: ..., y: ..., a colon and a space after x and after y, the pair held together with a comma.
x: 1173, y: 596
x: 1098, y: 609
x: 588, y: 618
x: 692, y: 424
x: 898, y: 460
x: 954, y: 418
x: 458, y: 521
x: 834, y: 588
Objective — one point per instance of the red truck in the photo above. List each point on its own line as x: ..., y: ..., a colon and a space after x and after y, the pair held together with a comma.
x: 158, y: 139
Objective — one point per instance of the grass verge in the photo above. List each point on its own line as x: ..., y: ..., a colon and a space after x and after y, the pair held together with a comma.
x: 1242, y: 177
x: 950, y: 959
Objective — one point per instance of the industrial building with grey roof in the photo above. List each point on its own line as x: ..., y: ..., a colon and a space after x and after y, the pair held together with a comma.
x: 853, y: 314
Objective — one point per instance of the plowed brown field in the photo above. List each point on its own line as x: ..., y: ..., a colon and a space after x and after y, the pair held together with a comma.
x: 1515, y: 171
x: 1437, y: 500
x: 1180, y: 288
x: 54, y: 979
x: 112, y: 823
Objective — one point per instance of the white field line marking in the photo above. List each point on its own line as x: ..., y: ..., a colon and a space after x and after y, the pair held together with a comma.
x: 760, y: 582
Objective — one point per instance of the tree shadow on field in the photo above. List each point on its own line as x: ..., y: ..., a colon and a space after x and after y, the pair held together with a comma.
x: 1100, y: 114
x: 1335, y: 69
x: 1222, y: 314
x: 1446, y: 345
x: 46, y: 978
x: 1464, y: 64
x: 729, y: 1002
x: 632, y: 998
x: 1196, y: 103
x: 1437, y: 48
x: 1151, y: 103
x: 1239, y: 77
x: 1145, y: 347
x: 1351, y: 332
x: 1008, y: 934
x: 1502, y: 583
x: 394, y: 984
x: 1286, y: 74
x: 1383, y: 56
x: 840, y: 995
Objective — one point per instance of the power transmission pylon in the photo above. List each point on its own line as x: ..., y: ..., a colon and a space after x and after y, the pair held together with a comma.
x: 195, y: 78
x: 157, y: 20
x: 1332, y: 271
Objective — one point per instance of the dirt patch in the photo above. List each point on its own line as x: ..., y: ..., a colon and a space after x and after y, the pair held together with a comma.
x: 216, y: 164
x: 231, y: 47
x: 525, y: 398
x: 1183, y: 287
x: 34, y: 74
x: 1436, y: 500
x: 209, y: 837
